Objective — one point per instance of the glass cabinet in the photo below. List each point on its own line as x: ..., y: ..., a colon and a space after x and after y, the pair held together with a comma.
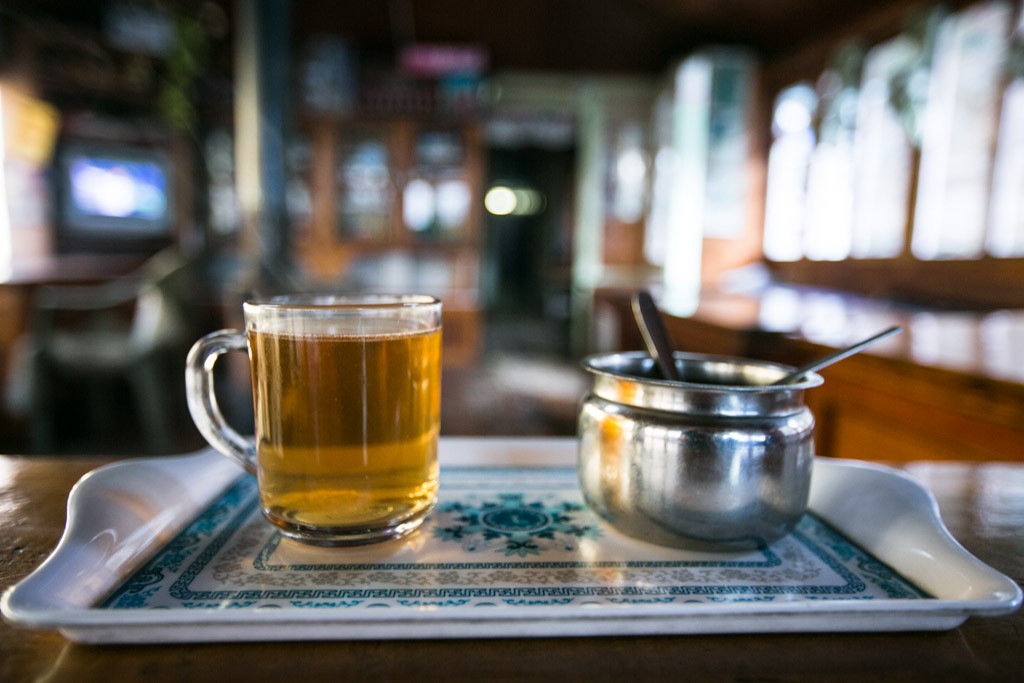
x: 395, y: 206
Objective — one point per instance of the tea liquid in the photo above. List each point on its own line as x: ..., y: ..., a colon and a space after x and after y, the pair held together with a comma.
x: 346, y: 427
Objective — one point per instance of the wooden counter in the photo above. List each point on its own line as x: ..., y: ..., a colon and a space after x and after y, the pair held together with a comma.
x: 982, y: 505
x: 950, y: 387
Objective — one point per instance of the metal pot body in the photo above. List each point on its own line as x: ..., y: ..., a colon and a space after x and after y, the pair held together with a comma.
x: 721, y: 460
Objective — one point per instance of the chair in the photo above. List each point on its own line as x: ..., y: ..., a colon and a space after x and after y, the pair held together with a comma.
x: 90, y: 342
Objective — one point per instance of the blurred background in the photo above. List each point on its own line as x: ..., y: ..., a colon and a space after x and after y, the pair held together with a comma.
x: 771, y: 171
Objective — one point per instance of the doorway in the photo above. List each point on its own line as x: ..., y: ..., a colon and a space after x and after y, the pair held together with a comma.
x: 528, y: 250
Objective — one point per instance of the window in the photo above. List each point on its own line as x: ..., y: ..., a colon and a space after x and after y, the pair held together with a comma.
x: 902, y: 174
x: 959, y: 132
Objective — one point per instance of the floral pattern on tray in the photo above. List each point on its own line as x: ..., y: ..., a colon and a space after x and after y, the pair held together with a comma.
x: 498, y: 538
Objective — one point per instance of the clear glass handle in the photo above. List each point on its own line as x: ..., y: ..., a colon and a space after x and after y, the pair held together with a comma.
x: 202, y: 401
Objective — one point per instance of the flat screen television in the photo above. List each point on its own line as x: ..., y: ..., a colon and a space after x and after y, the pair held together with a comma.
x: 113, y: 196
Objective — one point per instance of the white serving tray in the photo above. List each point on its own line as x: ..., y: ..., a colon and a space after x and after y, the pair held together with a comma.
x: 173, y: 550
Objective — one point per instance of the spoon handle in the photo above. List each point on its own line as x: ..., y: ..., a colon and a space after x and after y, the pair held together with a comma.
x: 839, y: 355
x: 648, y: 319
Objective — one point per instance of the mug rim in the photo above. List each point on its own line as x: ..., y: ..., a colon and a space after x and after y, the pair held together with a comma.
x: 329, y: 301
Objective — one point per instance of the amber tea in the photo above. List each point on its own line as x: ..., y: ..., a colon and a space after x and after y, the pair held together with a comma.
x: 346, y: 427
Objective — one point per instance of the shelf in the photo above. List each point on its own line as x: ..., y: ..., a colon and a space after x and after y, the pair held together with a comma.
x: 396, y: 207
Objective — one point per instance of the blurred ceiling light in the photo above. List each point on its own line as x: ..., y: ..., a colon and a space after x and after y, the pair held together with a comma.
x: 528, y: 202
x: 502, y: 200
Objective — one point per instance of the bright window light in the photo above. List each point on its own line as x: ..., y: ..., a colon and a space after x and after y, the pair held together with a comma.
x: 1006, y: 212
x: 418, y: 203
x: 789, y: 161
x: 5, y: 222
x: 959, y: 126
x: 453, y: 201
x: 882, y: 186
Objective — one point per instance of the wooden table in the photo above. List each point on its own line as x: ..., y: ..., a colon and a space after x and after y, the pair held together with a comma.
x: 951, y: 387
x: 982, y: 505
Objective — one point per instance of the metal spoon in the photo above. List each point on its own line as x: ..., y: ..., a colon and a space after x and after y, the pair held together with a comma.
x: 652, y: 328
x: 837, y: 356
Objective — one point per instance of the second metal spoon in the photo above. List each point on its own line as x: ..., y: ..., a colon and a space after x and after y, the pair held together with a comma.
x: 839, y: 355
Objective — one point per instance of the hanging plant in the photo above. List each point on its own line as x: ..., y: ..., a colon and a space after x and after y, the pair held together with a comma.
x: 908, y: 87
x: 185, y: 63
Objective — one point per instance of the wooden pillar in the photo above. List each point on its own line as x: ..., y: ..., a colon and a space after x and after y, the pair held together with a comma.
x: 262, y: 127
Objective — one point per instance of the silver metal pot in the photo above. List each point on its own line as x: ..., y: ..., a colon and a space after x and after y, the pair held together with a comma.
x: 720, y: 460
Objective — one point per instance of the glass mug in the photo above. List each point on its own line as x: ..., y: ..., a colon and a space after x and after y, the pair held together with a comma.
x: 347, y: 402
